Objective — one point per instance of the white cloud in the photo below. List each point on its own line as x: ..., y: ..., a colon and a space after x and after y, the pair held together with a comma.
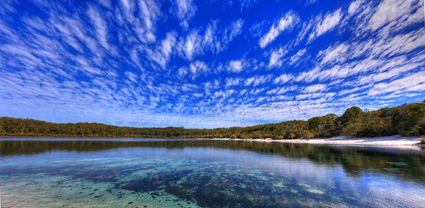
x: 150, y: 13
x: 338, y: 53
x: 276, y: 57
x: 100, y: 26
x: 197, y: 67
x: 310, y: 2
x: 182, y: 71
x: 131, y: 76
x: 297, y: 56
x: 280, y: 91
x: 315, y: 88
x: 369, y: 55
x: 397, y: 13
x: 257, y: 80
x: 232, y: 82
x: 329, y: 22
x: 138, y: 18
x: 283, y: 78
x: 245, y: 4
x: 212, y: 40
x: 236, y: 65
x: 284, y: 23
x: 194, y: 70
x: 409, y: 83
x: 354, y: 6
x: 387, y: 74
x: 234, y: 30
x: 185, y: 9
x: 167, y: 46
x: 231, y: 32
x: 399, y: 44
x: 191, y: 45
x: 163, y: 52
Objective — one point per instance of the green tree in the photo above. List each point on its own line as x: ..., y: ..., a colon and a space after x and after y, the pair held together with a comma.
x: 350, y: 114
x: 324, y: 126
x: 410, y: 119
x: 421, y: 124
x: 405, y: 120
x: 352, y: 128
x: 308, y: 134
x: 373, y: 125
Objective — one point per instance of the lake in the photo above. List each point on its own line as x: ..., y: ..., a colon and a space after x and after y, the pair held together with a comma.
x: 205, y: 173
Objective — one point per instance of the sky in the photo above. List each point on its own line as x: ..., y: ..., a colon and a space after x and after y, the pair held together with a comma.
x: 209, y: 63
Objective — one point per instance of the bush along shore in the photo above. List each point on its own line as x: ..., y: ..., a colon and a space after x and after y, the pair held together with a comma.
x: 404, y: 120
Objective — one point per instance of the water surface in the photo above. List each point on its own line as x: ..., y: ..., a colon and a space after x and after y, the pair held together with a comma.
x: 202, y: 173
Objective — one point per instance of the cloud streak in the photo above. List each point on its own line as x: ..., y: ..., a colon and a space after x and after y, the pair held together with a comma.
x: 179, y: 63
x: 284, y: 23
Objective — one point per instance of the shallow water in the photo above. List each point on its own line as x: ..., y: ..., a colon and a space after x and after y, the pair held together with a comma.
x: 201, y: 173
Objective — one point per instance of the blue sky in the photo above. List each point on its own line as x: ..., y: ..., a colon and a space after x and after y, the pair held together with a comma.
x: 207, y: 63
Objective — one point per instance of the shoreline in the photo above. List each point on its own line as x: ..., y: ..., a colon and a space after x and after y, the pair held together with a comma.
x: 387, y: 141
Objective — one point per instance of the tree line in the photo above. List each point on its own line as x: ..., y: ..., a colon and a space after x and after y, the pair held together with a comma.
x: 405, y: 120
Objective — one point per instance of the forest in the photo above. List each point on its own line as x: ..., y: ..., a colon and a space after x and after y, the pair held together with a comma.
x: 405, y: 120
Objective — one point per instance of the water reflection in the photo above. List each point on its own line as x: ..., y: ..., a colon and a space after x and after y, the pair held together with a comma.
x: 354, y: 160
x: 209, y: 174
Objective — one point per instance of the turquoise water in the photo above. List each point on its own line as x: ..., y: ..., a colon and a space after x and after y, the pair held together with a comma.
x: 192, y: 173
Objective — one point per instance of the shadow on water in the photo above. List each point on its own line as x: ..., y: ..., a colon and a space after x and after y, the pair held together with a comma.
x: 354, y: 160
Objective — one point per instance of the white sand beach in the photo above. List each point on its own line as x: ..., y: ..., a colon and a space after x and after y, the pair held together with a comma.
x: 393, y: 141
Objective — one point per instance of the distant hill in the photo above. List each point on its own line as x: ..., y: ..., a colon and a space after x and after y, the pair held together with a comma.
x: 406, y: 120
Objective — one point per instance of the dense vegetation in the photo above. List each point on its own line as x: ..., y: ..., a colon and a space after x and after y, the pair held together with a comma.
x: 406, y: 120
